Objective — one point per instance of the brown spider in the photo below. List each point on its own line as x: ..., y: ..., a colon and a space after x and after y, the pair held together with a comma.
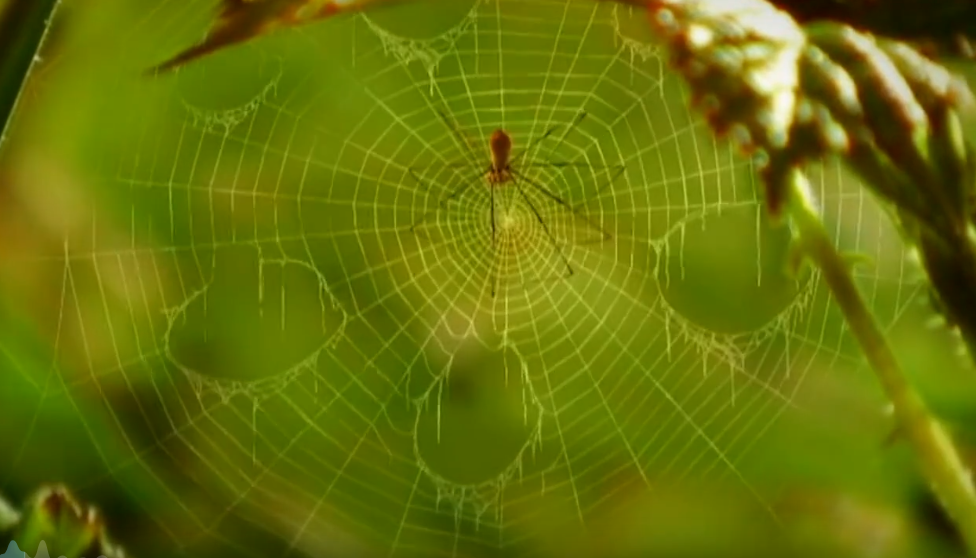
x: 500, y: 171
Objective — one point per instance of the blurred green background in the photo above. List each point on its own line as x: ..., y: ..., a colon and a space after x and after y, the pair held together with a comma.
x: 218, y: 328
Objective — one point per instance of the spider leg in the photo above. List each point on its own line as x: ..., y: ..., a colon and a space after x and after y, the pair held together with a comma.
x: 562, y: 202
x: 449, y: 165
x: 494, y: 248
x: 465, y: 184
x: 535, y: 143
x: 618, y: 170
x: 463, y: 140
x: 545, y: 227
x: 492, y: 188
x: 580, y: 116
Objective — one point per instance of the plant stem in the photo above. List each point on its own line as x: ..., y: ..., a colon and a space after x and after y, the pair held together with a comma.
x: 940, y: 462
x: 24, y: 25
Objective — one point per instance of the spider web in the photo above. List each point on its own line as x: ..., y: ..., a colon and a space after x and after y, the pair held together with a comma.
x: 274, y: 344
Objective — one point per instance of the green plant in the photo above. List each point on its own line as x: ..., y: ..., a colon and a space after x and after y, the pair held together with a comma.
x: 793, y: 94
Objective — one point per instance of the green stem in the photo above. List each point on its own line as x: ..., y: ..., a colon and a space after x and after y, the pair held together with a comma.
x: 940, y: 462
x: 24, y: 24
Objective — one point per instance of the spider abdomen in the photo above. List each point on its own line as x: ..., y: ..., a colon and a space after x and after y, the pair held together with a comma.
x: 501, y: 148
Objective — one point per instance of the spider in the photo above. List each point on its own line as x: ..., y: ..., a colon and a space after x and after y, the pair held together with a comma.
x: 502, y: 170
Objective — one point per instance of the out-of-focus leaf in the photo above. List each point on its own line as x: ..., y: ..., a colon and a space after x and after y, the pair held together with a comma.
x: 242, y: 20
x: 8, y: 515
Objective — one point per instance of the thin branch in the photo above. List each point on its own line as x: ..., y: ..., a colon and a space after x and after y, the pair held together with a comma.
x: 24, y: 26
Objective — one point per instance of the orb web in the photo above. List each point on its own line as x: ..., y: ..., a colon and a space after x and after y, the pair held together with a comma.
x: 276, y: 344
